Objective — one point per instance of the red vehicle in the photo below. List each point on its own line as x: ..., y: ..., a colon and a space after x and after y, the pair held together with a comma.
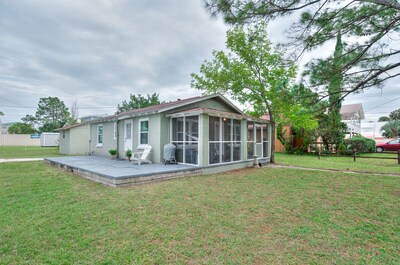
x: 392, y: 145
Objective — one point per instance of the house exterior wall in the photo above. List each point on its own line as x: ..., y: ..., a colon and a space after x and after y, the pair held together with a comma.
x: 210, y: 104
x: 75, y: 141
x: 80, y: 140
x: 108, y: 139
x: 65, y: 142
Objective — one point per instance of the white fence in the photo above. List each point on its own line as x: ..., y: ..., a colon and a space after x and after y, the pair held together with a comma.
x: 18, y: 139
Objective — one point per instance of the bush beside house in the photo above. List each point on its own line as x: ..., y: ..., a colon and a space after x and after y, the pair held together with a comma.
x: 360, y: 144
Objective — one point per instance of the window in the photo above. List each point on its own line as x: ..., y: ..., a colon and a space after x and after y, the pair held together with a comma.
x: 257, y: 140
x: 185, y: 136
x: 100, y: 135
x: 144, y: 132
x: 224, y: 139
x: 115, y: 131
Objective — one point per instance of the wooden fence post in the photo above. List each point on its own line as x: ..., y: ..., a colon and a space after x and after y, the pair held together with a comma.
x: 319, y: 153
x: 354, y: 155
x: 398, y: 157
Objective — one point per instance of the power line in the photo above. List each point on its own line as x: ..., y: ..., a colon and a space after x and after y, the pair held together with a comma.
x: 22, y: 107
x: 382, y: 104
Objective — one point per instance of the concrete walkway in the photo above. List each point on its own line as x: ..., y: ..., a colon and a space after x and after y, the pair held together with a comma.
x: 334, y: 170
x: 19, y: 160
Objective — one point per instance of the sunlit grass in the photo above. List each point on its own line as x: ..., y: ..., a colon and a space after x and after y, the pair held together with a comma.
x: 342, y: 162
x: 27, y: 151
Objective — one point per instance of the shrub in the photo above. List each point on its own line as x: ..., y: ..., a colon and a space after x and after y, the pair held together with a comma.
x: 128, y: 153
x: 112, y: 152
x: 360, y: 144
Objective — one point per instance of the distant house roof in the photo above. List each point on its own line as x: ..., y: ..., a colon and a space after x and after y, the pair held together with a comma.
x: 165, y: 107
x: 346, y: 110
x: 66, y: 126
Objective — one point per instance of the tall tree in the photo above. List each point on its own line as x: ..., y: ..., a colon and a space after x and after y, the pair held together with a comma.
x: 253, y: 72
x: 369, y: 60
x: 50, y: 114
x: 138, y: 101
x: 395, y: 115
x: 391, y: 129
x: 329, y: 74
x: 21, y: 128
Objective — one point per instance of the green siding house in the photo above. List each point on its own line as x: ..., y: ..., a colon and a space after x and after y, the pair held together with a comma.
x: 208, y: 131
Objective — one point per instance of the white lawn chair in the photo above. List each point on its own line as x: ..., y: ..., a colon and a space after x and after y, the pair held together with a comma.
x: 142, y: 154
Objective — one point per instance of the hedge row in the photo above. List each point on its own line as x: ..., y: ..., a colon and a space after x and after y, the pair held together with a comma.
x: 360, y: 144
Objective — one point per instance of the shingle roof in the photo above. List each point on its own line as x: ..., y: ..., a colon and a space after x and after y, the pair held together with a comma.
x: 162, y: 107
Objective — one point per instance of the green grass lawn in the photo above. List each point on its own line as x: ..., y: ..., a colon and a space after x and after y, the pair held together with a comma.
x: 27, y: 151
x: 252, y: 216
x: 341, y: 163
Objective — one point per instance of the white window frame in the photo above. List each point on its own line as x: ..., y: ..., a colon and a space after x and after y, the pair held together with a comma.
x: 102, y: 135
x: 148, y: 129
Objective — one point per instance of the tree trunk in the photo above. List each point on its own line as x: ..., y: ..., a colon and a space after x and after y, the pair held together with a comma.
x: 272, y: 158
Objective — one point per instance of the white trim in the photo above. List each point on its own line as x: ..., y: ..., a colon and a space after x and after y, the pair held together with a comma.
x: 115, y: 130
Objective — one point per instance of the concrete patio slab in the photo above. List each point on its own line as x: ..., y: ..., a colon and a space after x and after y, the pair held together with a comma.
x: 121, y: 172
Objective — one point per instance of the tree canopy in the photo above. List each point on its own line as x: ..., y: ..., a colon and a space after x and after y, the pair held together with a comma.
x: 138, y: 101
x: 370, y: 28
x: 51, y: 114
x: 391, y: 129
x: 383, y: 118
x: 395, y: 115
x: 21, y: 128
x: 253, y: 72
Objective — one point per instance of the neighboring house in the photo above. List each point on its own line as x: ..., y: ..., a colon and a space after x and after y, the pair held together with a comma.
x: 206, y: 131
x: 372, y: 130
x: 5, y: 126
x: 352, y: 115
x: 91, y: 118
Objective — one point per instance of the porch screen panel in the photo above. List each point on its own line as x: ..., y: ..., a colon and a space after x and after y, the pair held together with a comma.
x: 236, y: 140
x: 214, y: 125
x: 214, y: 153
x: 185, y: 136
x: 250, y: 140
x: 265, y: 140
x: 224, y: 139
x: 191, y: 139
x: 257, y: 140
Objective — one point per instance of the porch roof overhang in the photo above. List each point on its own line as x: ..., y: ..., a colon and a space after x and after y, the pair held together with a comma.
x: 215, y: 112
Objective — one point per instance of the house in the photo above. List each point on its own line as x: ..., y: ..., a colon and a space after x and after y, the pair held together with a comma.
x: 207, y: 131
x: 4, y: 127
x: 352, y: 115
x: 75, y: 139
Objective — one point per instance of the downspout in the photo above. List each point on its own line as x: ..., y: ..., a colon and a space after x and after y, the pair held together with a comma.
x: 90, y: 138
x: 117, y: 132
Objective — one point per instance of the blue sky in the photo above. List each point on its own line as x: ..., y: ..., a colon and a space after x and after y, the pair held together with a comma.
x: 97, y: 52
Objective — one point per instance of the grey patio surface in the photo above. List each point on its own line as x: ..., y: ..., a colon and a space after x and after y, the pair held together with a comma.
x: 116, y: 169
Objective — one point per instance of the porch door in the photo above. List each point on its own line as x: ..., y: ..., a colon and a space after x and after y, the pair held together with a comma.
x: 258, y: 137
x: 127, y: 135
